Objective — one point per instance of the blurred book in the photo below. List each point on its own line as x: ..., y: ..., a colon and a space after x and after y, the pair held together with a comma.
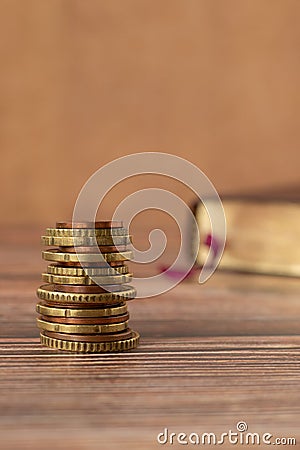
x: 263, y: 233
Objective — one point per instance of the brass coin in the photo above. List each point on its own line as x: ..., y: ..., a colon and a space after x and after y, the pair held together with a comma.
x: 64, y: 241
x: 80, y: 289
x: 87, y: 281
x: 110, y: 279
x: 55, y: 269
x: 91, y: 347
x: 87, y: 320
x: 92, y: 265
x: 91, y: 337
x: 81, y: 329
x: 99, y: 224
x: 47, y: 293
x: 86, y: 232
x: 45, y: 310
x: 58, y: 256
x: 94, y: 249
x: 65, y: 279
x: 81, y: 305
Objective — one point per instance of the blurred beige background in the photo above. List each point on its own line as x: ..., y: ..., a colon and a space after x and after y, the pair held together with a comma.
x: 84, y: 82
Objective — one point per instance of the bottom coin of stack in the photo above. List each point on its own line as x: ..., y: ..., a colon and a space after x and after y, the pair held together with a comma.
x: 77, y: 314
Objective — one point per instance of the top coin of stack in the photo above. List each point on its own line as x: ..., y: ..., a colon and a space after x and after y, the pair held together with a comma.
x: 80, y: 313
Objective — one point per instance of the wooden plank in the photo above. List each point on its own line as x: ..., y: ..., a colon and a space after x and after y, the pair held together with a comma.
x: 210, y: 356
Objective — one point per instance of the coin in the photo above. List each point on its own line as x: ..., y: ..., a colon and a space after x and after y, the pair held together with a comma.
x: 86, y: 232
x: 62, y: 241
x: 81, y: 305
x: 58, y: 256
x: 46, y: 292
x: 45, y: 310
x: 91, y: 347
x: 91, y: 337
x: 89, y: 265
x: 80, y: 289
x: 94, y: 249
x: 87, y: 320
x: 65, y: 279
x: 55, y: 269
x: 87, y: 281
x: 113, y: 279
x: 101, y: 224
x: 81, y: 329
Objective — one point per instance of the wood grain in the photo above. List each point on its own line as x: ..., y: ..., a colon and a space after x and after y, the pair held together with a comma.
x: 85, y: 82
x: 209, y: 356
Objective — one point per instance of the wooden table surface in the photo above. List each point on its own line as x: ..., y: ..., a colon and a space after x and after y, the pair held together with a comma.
x: 210, y: 356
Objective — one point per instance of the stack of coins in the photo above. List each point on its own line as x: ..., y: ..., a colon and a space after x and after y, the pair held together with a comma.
x: 79, y: 313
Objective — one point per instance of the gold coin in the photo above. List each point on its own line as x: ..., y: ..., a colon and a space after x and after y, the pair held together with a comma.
x: 88, y: 224
x: 94, y: 249
x: 91, y: 347
x: 58, y: 256
x: 81, y: 329
x: 55, y: 269
x: 45, y: 292
x: 108, y: 279
x: 120, y: 336
x: 63, y: 241
x: 87, y: 232
x: 46, y: 310
x: 86, y: 320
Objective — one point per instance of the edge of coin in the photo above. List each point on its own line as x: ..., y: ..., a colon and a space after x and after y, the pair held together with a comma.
x: 56, y: 311
x: 56, y: 269
x: 91, y: 347
x: 81, y: 329
x: 83, y: 232
x: 128, y: 293
x: 84, y: 241
x: 98, y: 224
x: 56, y: 255
x: 86, y: 280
